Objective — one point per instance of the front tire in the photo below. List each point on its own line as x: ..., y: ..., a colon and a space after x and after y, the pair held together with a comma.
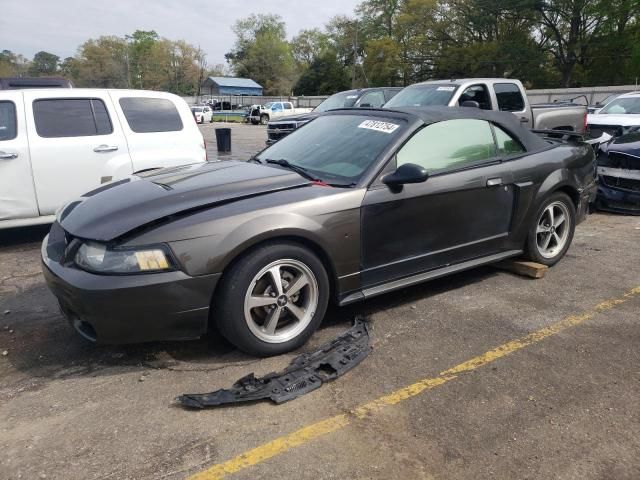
x: 272, y: 300
x: 264, y: 119
x: 551, y: 233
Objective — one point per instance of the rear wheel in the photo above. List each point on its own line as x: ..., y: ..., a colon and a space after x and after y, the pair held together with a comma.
x: 552, y: 232
x: 272, y: 300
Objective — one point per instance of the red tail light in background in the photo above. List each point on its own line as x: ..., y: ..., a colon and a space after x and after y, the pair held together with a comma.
x: 586, y: 125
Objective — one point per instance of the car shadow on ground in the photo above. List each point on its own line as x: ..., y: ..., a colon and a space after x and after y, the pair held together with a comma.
x: 43, y: 347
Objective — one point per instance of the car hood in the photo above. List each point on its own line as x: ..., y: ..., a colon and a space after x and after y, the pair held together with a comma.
x: 119, y: 208
x: 305, y: 117
x: 626, y: 144
x: 624, y: 120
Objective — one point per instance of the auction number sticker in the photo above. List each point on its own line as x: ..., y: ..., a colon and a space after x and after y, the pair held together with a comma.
x: 379, y: 126
x: 446, y: 89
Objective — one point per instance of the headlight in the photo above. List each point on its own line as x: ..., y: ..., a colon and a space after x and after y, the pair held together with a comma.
x: 98, y: 258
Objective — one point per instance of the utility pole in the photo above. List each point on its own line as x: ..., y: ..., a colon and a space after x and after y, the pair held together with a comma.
x: 355, y: 57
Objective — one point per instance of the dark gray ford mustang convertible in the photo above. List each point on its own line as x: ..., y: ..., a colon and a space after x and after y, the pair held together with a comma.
x: 352, y: 205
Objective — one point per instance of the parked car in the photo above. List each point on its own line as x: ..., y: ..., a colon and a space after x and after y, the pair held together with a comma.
x: 595, y: 108
x: 259, y: 248
x: 619, y: 174
x: 618, y: 117
x: 263, y: 113
x: 363, y: 98
x: 502, y: 94
x: 56, y: 144
x: 202, y: 113
x: 20, y: 83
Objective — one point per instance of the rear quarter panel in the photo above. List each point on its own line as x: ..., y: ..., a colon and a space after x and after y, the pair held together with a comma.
x: 568, y: 166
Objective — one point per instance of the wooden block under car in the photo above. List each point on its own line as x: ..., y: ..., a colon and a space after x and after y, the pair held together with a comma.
x: 522, y: 267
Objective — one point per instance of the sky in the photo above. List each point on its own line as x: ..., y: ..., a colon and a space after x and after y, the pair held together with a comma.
x: 60, y: 26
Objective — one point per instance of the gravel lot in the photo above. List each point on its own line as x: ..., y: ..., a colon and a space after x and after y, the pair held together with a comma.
x: 565, y: 406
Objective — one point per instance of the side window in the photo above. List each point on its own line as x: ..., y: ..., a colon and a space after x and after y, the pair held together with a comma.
x: 507, y: 145
x: 71, y: 117
x: 146, y: 115
x: 8, y: 124
x: 372, y: 100
x: 288, y: 106
x: 449, y: 145
x: 509, y: 97
x: 477, y: 93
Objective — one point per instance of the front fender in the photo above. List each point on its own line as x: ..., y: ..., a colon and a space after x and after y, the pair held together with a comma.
x: 258, y: 230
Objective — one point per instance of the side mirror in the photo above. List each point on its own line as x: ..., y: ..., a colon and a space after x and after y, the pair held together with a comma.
x: 407, y: 173
x: 470, y: 103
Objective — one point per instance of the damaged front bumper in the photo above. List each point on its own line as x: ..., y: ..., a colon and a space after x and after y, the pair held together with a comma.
x: 306, y: 373
x: 618, y: 190
x: 618, y: 182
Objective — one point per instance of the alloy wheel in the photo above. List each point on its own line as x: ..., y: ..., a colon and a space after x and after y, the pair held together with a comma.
x: 552, y: 230
x: 281, y: 301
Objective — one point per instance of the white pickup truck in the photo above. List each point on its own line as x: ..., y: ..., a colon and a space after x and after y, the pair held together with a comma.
x: 56, y: 144
x: 263, y: 113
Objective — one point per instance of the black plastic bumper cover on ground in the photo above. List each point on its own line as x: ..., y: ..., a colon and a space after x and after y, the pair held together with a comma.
x: 305, y: 373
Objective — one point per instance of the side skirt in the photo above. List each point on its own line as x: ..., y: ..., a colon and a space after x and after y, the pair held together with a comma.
x: 426, y: 276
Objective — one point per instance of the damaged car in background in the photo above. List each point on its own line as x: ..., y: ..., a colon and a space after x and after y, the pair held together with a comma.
x: 619, y: 117
x: 259, y: 248
x: 615, y: 130
x: 619, y: 175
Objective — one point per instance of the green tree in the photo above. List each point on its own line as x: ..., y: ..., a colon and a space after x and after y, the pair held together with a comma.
x: 44, y: 63
x: 100, y: 63
x: 308, y: 45
x: 325, y: 76
x: 262, y: 53
x: 141, y: 45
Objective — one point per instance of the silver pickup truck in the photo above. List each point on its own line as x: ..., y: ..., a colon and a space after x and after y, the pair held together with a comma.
x: 494, y: 94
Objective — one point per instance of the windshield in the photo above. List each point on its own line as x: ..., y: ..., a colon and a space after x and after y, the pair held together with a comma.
x: 623, y: 106
x: 268, y: 105
x: 196, y: 109
x: 339, y: 100
x: 336, y: 148
x: 423, y: 96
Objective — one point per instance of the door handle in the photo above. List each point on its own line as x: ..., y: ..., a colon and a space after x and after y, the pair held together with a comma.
x: 524, y: 120
x: 8, y: 156
x: 105, y: 148
x: 494, y: 182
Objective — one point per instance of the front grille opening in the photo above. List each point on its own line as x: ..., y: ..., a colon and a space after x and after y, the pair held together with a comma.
x: 622, y: 183
x: 85, y: 329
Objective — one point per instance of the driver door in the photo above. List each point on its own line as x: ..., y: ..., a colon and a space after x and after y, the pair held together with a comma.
x: 462, y: 211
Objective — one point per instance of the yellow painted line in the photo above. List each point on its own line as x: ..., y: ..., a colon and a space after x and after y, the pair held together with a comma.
x: 324, y: 427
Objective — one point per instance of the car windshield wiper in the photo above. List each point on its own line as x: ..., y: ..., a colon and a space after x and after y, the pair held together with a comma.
x: 303, y: 172
x: 254, y: 159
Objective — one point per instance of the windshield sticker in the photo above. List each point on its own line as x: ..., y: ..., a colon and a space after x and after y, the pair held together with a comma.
x: 352, y: 96
x: 446, y: 89
x: 379, y: 126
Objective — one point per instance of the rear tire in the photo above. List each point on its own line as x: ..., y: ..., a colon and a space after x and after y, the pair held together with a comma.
x: 551, y: 232
x: 272, y: 299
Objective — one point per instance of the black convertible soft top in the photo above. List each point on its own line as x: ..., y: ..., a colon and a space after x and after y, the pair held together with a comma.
x: 506, y: 120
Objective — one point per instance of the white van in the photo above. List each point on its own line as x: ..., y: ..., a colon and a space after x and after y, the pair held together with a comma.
x: 56, y: 144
